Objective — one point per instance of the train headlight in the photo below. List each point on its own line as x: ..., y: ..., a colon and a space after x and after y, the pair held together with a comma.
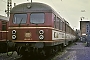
x: 13, y: 37
x: 41, y: 37
x: 41, y: 32
x: 13, y: 31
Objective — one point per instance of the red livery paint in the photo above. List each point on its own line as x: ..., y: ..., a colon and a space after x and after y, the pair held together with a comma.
x: 34, y: 29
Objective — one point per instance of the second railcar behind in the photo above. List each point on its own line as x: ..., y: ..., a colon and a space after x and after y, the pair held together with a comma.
x: 3, y: 33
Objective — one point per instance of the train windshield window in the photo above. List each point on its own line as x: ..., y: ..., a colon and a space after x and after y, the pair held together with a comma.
x: 20, y: 18
x: 37, y: 18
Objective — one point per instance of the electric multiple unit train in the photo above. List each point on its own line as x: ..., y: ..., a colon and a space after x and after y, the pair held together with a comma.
x: 36, y: 28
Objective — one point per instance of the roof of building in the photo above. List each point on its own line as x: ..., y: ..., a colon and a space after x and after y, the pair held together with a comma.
x: 4, y: 18
x: 85, y: 20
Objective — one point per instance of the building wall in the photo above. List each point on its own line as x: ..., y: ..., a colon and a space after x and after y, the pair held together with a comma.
x: 85, y: 30
x: 83, y: 27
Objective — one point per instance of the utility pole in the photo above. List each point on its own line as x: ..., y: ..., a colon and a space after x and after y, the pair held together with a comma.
x: 14, y: 4
x: 9, y: 7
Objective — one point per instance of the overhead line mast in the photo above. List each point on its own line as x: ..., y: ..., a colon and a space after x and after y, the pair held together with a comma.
x: 9, y: 7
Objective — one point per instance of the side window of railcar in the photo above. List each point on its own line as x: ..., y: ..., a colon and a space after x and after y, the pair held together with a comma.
x: 61, y: 24
x: 3, y: 26
x: 57, y: 24
x: 66, y: 28
x: 20, y: 18
x: 54, y: 21
x: 37, y: 18
x: 63, y: 28
x: 59, y: 20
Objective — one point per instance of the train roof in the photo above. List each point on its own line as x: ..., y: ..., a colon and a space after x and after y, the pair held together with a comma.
x: 4, y: 18
x: 35, y: 7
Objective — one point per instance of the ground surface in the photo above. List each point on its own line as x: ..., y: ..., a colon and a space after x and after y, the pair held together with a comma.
x: 76, y: 51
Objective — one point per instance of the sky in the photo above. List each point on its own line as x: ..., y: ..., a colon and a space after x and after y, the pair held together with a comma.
x: 70, y: 10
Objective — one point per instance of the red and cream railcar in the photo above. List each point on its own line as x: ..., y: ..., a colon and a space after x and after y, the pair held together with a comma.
x: 36, y: 26
x: 3, y: 32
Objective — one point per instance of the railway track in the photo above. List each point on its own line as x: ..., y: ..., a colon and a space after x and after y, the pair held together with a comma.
x: 51, y: 57
x: 3, y: 56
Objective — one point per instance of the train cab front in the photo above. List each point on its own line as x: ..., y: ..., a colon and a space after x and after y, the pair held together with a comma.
x: 32, y: 29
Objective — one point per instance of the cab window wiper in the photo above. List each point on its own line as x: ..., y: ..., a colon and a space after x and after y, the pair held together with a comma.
x: 20, y: 22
